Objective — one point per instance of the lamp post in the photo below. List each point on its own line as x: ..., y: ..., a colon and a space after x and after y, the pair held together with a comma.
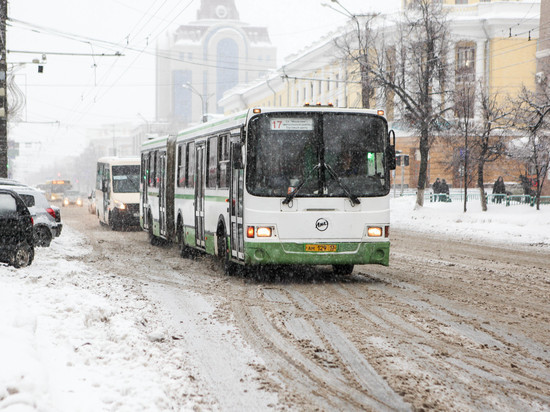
x: 363, y: 45
x: 204, y: 102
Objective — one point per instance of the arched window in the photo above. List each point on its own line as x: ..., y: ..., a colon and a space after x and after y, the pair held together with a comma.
x: 228, y: 67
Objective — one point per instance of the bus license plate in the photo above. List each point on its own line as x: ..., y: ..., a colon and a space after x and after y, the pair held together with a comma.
x: 321, y: 248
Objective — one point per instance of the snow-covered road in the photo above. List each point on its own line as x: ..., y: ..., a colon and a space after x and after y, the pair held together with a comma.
x: 103, y: 321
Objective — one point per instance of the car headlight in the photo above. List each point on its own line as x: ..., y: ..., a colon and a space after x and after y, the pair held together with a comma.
x: 120, y: 205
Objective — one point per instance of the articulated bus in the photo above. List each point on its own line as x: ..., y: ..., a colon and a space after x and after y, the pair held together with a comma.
x: 270, y: 186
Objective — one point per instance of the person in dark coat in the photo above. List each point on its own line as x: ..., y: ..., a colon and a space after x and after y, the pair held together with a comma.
x: 444, y: 190
x: 436, y: 187
x: 499, y: 189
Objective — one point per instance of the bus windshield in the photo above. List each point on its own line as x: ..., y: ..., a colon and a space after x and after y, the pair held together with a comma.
x: 322, y: 154
x: 126, y: 179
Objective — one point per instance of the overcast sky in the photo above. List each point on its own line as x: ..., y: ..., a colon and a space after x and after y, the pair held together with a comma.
x: 74, y: 90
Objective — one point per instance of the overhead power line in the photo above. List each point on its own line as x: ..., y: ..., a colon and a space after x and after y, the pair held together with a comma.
x: 116, y: 54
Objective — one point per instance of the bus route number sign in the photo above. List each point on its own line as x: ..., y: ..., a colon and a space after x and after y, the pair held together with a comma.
x: 291, y: 123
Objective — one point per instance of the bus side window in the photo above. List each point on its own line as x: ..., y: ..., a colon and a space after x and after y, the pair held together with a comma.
x: 212, y: 162
x: 149, y: 168
x: 99, y: 176
x: 190, y: 170
x: 223, y: 162
x: 181, y: 165
x: 153, y: 169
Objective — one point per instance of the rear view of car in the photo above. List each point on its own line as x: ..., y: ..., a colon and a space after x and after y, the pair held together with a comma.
x: 47, y: 218
x: 16, y: 230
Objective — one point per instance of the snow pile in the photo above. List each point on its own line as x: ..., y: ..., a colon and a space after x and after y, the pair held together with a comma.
x: 65, y: 345
x: 520, y: 224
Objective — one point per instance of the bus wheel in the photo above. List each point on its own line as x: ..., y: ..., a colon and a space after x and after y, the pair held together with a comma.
x: 229, y: 268
x: 185, y: 251
x: 152, y: 238
x: 342, y: 269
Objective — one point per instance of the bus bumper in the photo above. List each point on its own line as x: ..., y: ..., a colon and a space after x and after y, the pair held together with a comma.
x: 354, y: 253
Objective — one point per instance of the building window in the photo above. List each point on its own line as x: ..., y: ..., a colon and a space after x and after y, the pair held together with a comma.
x: 465, y: 63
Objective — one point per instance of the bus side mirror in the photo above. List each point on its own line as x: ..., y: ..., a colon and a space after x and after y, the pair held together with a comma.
x: 103, y: 185
x: 390, y: 151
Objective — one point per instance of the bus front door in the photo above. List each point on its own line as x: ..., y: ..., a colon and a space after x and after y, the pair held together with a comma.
x: 200, y: 186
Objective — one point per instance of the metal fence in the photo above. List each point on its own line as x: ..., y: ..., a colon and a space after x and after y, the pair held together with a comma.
x: 458, y: 196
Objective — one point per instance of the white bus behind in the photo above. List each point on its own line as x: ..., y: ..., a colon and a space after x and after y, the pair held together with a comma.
x: 117, y: 191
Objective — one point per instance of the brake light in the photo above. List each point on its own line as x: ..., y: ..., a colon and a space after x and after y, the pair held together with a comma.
x: 51, y: 212
x: 250, y: 232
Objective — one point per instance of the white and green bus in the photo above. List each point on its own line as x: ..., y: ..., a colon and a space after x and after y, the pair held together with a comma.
x: 274, y: 186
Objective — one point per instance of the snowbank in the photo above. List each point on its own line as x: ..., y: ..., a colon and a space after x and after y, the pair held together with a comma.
x: 519, y: 224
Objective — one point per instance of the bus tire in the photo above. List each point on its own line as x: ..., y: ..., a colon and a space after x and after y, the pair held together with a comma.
x: 185, y: 251
x: 342, y: 269
x: 152, y: 238
x: 229, y: 267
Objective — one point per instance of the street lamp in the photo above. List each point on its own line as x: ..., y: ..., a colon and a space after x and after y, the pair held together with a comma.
x: 204, y: 102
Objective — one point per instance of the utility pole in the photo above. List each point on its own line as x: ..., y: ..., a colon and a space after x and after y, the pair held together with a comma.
x: 3, y: 89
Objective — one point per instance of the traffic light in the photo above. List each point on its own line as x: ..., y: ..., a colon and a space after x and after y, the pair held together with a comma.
x: 405, y: 160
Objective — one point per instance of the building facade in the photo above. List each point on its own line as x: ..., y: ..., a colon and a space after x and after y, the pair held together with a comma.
x: 198, y: 62
x: 489, y: 44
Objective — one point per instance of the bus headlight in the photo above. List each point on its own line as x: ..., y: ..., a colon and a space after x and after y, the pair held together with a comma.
x: 119, y: 205
x: 374, y: 231
x: 260, y: 231
x: 263, y: 231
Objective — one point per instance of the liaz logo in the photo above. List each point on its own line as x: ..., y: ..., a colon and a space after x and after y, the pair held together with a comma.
x: 321, y: 224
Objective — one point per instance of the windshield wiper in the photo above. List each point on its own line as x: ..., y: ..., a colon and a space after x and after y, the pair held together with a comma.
x: 354, y: 200
x: 291, y: 195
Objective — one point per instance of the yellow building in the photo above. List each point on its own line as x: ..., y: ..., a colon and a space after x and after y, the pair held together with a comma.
x: 493, y: 42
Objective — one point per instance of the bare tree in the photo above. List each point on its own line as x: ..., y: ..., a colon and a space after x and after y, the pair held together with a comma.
x: 532, y: 116
x: 464, y: 107
x: 357, y: 47
x: 413, y: 69
x: 490, y: 134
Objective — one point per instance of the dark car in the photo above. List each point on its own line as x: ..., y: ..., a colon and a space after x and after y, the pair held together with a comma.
x: 16, y: 230
x: 47, y: 223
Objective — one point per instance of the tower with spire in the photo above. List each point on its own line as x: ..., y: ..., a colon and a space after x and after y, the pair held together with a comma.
x: 199, y: 61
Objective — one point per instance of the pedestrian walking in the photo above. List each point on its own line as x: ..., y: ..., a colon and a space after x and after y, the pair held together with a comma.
x: 499, y: 189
